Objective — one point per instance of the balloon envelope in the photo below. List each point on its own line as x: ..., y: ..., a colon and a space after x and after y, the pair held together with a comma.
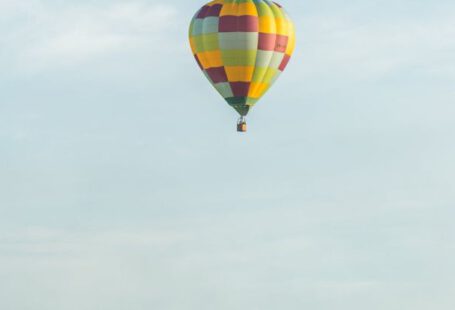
x: 242, y: 46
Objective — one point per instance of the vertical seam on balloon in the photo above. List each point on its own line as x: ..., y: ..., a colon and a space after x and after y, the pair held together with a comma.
x: 237, y: 19
x: 191, y: 29
x: 221, y: 52
x: 256, y: 58
x: 209, y: 62
x: 288, y: 34
x: 292, y: 37
x: 237, y: 3
x: 284, y: 30
x: 293, y: 34
x: 205, y: 51
x: 274, y: 44
x: 219, y: 44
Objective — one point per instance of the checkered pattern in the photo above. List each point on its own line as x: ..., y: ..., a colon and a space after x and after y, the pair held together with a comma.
x: 242, y: 46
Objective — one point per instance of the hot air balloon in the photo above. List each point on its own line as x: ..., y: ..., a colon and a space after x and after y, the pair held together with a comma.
x: 242, y: 46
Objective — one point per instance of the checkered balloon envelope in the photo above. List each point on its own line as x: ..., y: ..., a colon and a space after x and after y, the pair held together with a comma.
x: 242, y: 46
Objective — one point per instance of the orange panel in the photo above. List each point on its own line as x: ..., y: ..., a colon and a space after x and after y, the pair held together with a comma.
x: 238, y: 9
x: 229, y: 9
x: 239, y: 73
x: 210, y: 59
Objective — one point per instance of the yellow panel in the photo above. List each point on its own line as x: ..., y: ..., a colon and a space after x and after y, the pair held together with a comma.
x: 210, y: 59
x: 239, y: 74
x: 267, y: 24
x: 281, y: 26
x: 291, y: 43
x: 247, y: 9
x: 257, y: 90
x: 229, y: 9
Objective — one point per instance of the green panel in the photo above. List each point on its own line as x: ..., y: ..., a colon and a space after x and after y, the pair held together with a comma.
x: 270, y: 76
x: 239, y: 104
x: 236, y: 100
x: 239, y: 57
x: 224, y: 89
x: 264, y: 75
x: 190, y: 31
x: 275, y: 77
x: 277, y: 59
x: 242, y: 109
x: 263, y: 9
x: 206, y: 42
x: 259, y: 73
x: 251, y: 102
x: 263, y: 58
x: 272, y: 72
x: 193, y: 20
x: 210, y: 25
x: 238, y: 40
x: 197, y: 27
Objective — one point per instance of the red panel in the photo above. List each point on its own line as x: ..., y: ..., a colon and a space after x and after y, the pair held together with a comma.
x: 248, y: 23
x: 203, y: 12
x: 228, y: 24
x: 240, y: 89
x: 281, y: 43
x: 214, y: 10
x: 284, y: 63
x: 245, y: 23
x: 267, y: 41
x: 217, y: 75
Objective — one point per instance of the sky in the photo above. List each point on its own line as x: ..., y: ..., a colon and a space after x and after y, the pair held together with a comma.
x: 124, y: 185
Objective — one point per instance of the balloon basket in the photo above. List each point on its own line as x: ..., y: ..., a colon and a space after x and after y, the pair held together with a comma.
x: 241, y: 125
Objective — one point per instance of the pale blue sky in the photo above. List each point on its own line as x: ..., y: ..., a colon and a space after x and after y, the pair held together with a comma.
x: 123, y: 184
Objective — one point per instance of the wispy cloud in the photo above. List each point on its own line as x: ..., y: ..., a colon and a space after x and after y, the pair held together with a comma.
x: 44, y: 35
x: 352, y: 49
x: 40, y: 241
x: 227, y: 258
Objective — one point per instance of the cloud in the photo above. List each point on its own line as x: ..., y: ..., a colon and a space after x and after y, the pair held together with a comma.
x: 245, y: 258
x: 46, y: 242
x: 44, y: 35
x: 349, y: 48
